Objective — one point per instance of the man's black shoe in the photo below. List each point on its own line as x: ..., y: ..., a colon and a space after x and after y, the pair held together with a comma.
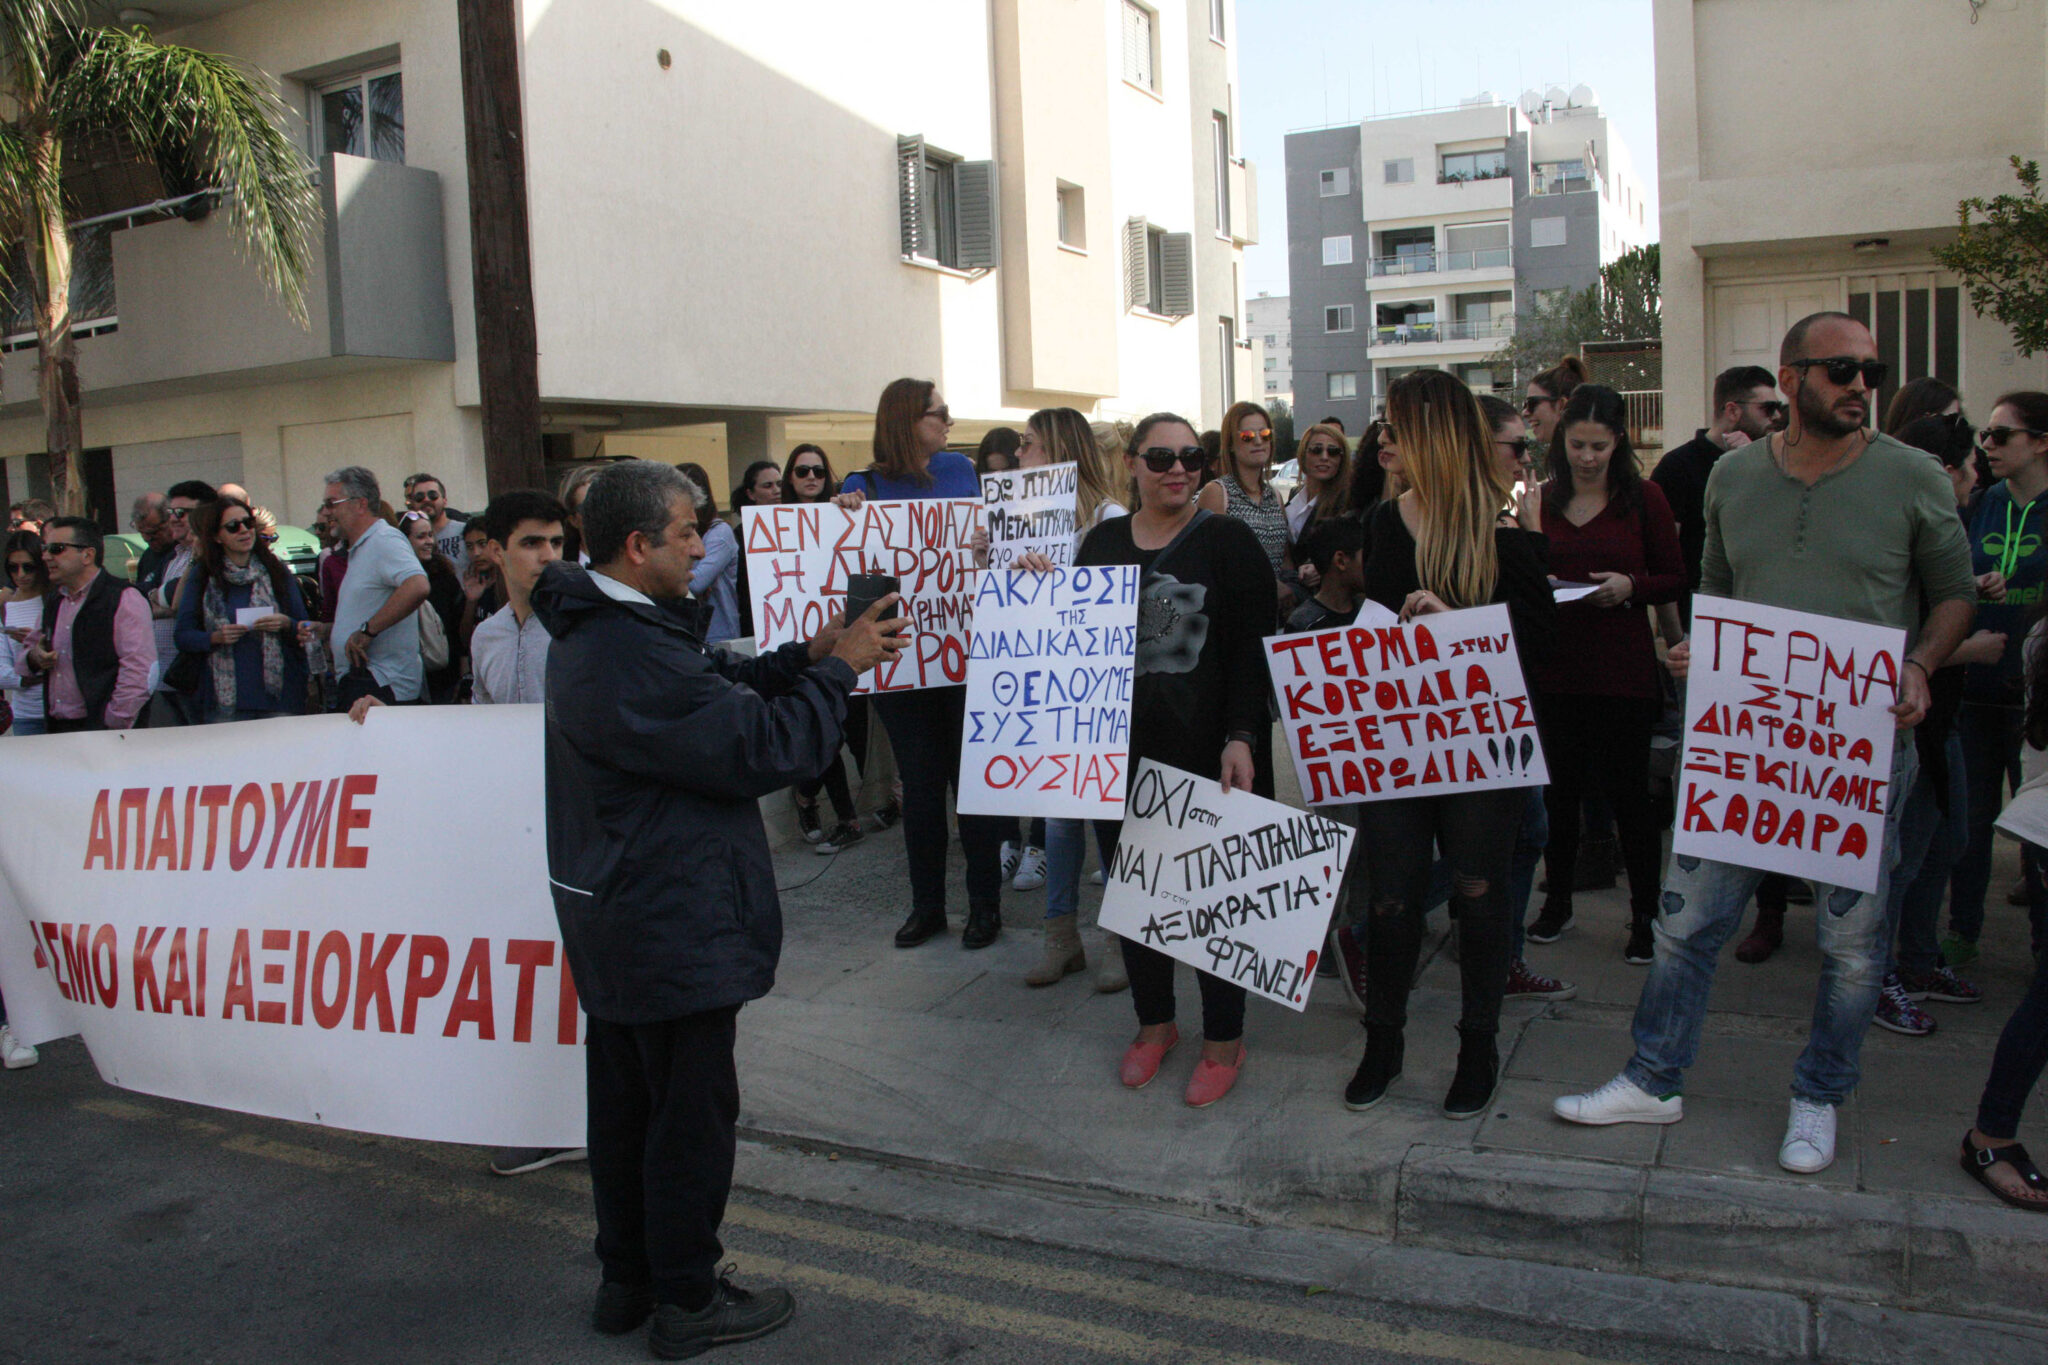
x: 732, y: 1315
x: 984, y: 922
x: 920, y: 926
x: 621, y: 1307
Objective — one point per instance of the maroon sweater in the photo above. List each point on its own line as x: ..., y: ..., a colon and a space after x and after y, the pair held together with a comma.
x: 1607, y: 651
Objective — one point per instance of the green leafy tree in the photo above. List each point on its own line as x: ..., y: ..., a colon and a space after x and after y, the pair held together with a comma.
x: 1631, y: 296
x: 1625, y: 305
x: 205, y: 119
x: 1283, y: 429
x: 2001, y: 251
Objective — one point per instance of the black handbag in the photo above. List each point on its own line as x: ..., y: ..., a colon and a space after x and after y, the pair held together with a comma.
x: 186, y: 672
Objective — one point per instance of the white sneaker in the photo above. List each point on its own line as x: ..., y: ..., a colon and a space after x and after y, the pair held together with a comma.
x: 1096, y: 878
x: 1012, y: 855
x: 1030, y: 872
x: 1809, y: 1144
x: 1621, y: 1100
x: 15, y: 1054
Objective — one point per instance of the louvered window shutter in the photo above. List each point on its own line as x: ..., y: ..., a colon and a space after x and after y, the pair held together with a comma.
x: 1137, y: 45
x: 910, y: 193
x: 1134, y: 262
x: 1177, y: 274
x: 974, y: 195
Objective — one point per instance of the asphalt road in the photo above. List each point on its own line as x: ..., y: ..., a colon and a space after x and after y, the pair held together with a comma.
x: 134, y: 1229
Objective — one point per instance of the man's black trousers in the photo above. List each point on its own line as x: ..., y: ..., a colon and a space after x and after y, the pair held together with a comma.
x: 664, y: 1099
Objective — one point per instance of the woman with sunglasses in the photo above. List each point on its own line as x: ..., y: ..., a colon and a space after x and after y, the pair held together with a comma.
x: 1544, y: 399
x: 28, y: 580
x: 807, y: 476
x: 911, y: 461
x: 1324, y: 459
x: 1198, y: 701
x: 1442, y: 545
x: 254, y: 670
x: 445, y: 599
x: 1598, y: 694
x: 1248, y: 491
x: 2008, y: 539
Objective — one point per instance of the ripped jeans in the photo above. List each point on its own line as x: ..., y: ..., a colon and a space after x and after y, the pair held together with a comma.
x: 1702, y: 907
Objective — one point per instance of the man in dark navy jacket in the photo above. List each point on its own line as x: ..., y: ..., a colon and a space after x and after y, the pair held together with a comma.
x: 657, y: 751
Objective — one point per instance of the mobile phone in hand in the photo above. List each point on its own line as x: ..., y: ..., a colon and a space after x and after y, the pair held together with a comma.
x: 863, y: 590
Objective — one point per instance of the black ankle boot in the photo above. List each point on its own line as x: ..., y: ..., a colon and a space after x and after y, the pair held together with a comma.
x: 984, y: 922
x: 1378, y: 1069
x: 921, y: 925
x: 1478, y: 1075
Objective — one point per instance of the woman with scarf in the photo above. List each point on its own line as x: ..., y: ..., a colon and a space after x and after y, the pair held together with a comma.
x: 255, y: 667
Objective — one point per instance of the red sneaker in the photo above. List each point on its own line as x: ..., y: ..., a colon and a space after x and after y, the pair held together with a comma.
x: 1524, y: 984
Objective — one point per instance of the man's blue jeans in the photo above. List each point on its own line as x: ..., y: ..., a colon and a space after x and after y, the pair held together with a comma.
x: 1065, y: 852
x: 1702, y: 906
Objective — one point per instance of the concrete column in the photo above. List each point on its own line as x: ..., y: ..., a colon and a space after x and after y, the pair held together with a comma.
x: 751, y: 436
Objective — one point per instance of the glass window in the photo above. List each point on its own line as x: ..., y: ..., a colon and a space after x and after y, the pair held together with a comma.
x: 1139, y: 67
x: 1490, y: 165
x: 1337, y: 318
x: 1337, y: 250
x: 364, y: 116
x: 1334, y: 183
x: 1073, y: 216
x: 1546, y: 231
x: 1221, y: 127
x: 1343, y: 386
x: 1401, y: 172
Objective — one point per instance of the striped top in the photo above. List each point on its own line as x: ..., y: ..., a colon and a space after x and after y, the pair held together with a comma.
x: 1266, y: 518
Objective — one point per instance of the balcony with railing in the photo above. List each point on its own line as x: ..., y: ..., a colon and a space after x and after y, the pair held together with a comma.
x: 1465, y: 330
x: 1569, y: 177
x: 1442, y: 262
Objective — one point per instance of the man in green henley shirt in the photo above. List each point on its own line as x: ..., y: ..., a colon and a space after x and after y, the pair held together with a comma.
x: 1827, y: 517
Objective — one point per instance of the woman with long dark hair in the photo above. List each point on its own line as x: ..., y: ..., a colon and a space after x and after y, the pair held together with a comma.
x: 807, y: 475
x: 1544, y: 399
x: 255, y: 670
x: 28, y: 580
x: 1598, y: 694
x: 1198, y: 699
x: 445, y: 599
x: 997, y: 453
x: 1442, y: 545
x: 911, y: 461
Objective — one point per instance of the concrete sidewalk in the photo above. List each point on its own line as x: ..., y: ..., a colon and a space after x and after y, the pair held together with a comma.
x: 943, y: 1058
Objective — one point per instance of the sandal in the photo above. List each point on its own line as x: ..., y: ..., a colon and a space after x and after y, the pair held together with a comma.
x: 1978, y: 1161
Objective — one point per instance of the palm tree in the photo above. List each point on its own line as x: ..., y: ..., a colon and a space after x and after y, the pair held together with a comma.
x: 204, y: 118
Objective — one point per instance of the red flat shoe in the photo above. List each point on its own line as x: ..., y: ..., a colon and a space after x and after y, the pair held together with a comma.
x: 1141, y: 1061
x: 1212, y: 1080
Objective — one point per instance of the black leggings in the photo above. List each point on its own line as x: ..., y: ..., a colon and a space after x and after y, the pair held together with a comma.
x: 833, y: 780
x: 1476, y: 831
x: 1151, y: 974
x: 1601, y: 745
x: 924, y: 729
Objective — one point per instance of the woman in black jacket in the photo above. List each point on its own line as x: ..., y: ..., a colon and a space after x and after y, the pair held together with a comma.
x: 1198, y: 701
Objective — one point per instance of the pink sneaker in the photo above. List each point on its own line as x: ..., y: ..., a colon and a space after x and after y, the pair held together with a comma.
x: 1141, y: 1061
x: 1212, y: 1081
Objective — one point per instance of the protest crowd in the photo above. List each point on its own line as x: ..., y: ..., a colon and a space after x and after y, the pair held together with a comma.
x: 612, y: 599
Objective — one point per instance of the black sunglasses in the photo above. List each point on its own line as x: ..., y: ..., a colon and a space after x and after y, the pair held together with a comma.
x: 1520, y: 445
x: 942, y: 412
x: 57, y: 547
x: 21, y: 566
x: 1843, y: 368
x: 1159, y: 459
x: 238, y: 525
x: 1322, y: 450
x: 1998, y: 436
x: 808, y: 471
x: 1535, y: 401
x: 1771, y: 406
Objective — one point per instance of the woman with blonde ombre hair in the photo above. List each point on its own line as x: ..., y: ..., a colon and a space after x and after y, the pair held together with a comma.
x: 1324, y: 458
x: 1442, y: 545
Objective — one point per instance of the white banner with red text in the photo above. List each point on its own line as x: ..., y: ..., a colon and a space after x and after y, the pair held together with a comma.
x: 304, y: 918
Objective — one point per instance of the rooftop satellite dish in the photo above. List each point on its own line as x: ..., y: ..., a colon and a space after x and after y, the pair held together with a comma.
x: 1482, y: 99
x: 1584, y: 97
x: 1554, y: 97
x: 1531, y: 102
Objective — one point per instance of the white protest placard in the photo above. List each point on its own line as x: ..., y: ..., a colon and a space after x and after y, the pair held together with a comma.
x: 1048, y: 729
x: 237, y: 915
x: 1378, y: 712
x: 799, y: 556
x: 1027, y: 510
x: 1234, y: 884
x: 1788, y: 741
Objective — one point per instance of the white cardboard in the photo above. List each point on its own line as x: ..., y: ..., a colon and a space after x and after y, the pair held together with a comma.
x: 1030, y: 510
x: 1048, y: 729
x: 249, y: 616
x: 1788, y: 742
x: 1379, y: 713
x: 1231, y: 883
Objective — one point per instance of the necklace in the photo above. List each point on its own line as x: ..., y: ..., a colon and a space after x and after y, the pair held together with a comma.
x: 1784, y: 461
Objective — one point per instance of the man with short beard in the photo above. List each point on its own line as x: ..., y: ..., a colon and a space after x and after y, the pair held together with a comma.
x: 1832, y: 518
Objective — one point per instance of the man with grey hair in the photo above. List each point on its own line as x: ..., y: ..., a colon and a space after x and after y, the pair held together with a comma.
x: 374, y: 610
x: 658, y: 750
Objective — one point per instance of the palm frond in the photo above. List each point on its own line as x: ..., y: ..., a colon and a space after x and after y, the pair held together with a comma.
x: 219, y: 116
x: 33, y: 37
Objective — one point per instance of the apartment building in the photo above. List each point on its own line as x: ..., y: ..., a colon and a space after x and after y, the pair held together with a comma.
x: 1414, y: 239
x: 1763, y: 225
x: 745, y: 221
x: 1272, y: 328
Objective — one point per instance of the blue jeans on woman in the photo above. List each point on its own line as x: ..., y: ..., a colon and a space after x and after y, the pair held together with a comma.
x: 1702, y: 907
x: 28, y: 725
x: 1066, y: 850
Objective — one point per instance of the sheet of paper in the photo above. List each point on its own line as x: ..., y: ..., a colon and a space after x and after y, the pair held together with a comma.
x: 249, y: 616
x: 1572, y: 592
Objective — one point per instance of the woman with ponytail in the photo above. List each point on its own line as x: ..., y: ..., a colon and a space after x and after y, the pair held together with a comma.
x: 1444, y: 544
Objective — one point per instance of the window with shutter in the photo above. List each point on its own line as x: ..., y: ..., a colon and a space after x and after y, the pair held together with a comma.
x: 1139, y: 67
x: 1177, y: 274
x: 1136, y: 273
x: 974, y: 195
x: 910, y: 192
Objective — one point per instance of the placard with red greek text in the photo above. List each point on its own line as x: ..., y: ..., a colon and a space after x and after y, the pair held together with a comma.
x: 1232, y: 883
x: 799, y: 556
x: 1048, y: 728
x: 1788, y: 742
x: 1379, y: 713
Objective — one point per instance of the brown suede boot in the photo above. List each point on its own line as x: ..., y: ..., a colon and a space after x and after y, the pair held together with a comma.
x: 1063, y: 953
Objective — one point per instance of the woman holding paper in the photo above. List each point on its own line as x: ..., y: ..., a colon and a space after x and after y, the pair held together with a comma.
x: 911, y: 461
x: 1444, y: 544
x: 1599, y: 694
x: 1198, y: 701
x: 242, y: 612
x: 28, y: 579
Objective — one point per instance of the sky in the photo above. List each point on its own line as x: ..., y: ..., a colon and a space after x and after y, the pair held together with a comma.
x: 1312, y: 63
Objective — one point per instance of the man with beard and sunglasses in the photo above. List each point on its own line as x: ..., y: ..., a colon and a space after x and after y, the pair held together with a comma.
x: 1828, y: 517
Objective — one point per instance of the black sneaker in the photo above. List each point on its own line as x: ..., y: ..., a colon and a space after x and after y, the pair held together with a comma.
x: 807, y: 822
x: 621, y: 1307
x: 890, y: 813
x: 1553, y: 923
x: 732, y: 1315
x: 842, y: 835
x: 1378, y: 1069
x: 1477, y: 1078
x: 1642, y: 945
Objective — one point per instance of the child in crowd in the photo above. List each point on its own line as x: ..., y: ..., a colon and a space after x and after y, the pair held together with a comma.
x: 1337, y: 549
